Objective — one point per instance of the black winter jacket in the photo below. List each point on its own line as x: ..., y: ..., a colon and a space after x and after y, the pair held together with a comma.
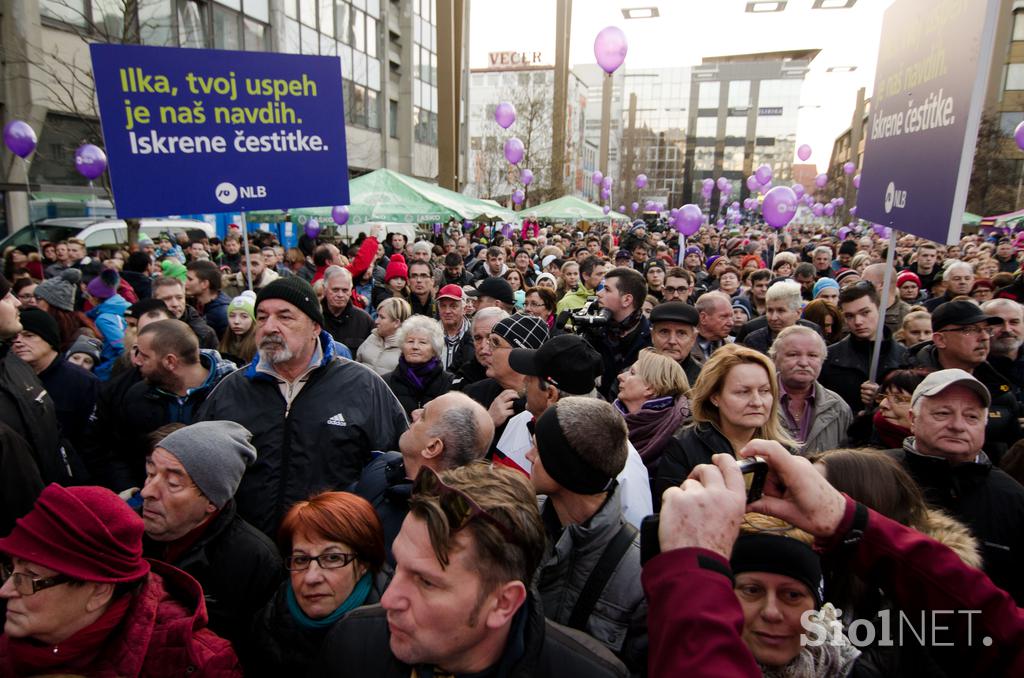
x: 618, y: 355
x: 693, y: 447
x: 238, y: 567
x: 987, y: 500
x: 1003, y: 426
x: 358, y: 646
x: 98, y: 449
x: 437, y: 383
x: 351, y: 327
x: 848, y: 362
x: 322, y: 441
x: 280, y: 647
x: 74, y: 391
x: 26, y: 407
x: 207, y: 337
x: 20, y: 483
x: 383, y: 483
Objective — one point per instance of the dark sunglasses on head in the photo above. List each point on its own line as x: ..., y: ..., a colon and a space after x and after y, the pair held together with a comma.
x: 458, y: 507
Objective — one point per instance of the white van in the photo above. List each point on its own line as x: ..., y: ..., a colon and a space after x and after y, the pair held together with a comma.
x: 98, y: 231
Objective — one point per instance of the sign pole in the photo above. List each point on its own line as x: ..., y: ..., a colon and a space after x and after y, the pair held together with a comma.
x: 890, y: 258
x: 245, y: 243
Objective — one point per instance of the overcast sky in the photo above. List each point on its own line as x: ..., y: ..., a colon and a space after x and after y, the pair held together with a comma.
x: 688, y: 30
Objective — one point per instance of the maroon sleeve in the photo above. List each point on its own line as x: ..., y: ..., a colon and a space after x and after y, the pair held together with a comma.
x: 694, y: 619
x: 364, y: 258
x: 919, y: 573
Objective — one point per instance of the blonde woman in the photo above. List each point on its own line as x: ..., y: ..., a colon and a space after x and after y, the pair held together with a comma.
x: 380, y: 350
x: 735, y: 399
x: 652, y: 398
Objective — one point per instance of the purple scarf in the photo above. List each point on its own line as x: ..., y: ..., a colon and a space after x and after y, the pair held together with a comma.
x: 418, y: 375
x: 652, y: 425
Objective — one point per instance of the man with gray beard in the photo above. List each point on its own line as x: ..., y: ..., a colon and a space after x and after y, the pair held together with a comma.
x: 315, y: 416
x: 1004, y: 352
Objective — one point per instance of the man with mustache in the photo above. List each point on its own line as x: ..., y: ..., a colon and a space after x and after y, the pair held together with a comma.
x: 314, y: 415
x: 815, y: 417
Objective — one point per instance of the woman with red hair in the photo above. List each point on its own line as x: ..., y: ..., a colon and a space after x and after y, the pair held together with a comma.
x: 333, y: 546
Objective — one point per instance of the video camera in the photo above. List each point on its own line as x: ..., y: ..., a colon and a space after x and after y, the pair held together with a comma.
x: 589, y: 317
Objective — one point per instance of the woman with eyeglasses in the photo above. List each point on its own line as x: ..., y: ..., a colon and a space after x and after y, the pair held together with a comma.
x: 334, y: 552
x: 81, y: 600
x: 541, y: 302
x: 887, y: 424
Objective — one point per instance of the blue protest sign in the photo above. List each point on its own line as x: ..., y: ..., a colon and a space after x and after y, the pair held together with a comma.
x: 933, y: 61
x: 197, y: 130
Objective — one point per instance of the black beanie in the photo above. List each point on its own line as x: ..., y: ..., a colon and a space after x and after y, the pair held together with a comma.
x: 295, y: 291
x: 778, y: 554
x: 41, y: 323
x: 562, y: 462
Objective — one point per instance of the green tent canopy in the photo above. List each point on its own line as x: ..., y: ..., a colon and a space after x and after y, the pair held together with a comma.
x: 385, y: 195
x: 571, y: 209
x: 971, y: 219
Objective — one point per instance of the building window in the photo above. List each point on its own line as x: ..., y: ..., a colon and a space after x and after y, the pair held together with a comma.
x: 707, y: 96
x: 1014, y: 77
x: 1018, y: 25
x: 393, y: 118
x: 72, y: 12
x: 1008, y: 121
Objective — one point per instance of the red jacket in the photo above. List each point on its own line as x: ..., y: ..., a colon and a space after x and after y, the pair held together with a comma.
x: 163, y: 634
x: 695, y: 621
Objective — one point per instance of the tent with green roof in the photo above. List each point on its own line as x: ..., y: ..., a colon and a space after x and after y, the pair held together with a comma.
x: 571, y: 209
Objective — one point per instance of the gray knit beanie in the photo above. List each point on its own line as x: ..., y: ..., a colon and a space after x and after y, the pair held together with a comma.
x: 59, y: 291
x: 215, y: 454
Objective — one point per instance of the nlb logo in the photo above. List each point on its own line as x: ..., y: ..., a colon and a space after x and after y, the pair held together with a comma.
x: 227, y: 193
x: 894, y: 198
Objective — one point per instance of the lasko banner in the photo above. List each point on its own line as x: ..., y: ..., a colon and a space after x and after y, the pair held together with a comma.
x: 933, y: 61
x: 198, y: 130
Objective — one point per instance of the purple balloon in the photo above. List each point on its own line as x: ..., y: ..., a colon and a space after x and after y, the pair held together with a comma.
x: 853, y: 211
x: 606, y: 209
x: 607, y: 183
x: 505, y: 114
x: 856, y: 181
x: 843, y: 232
x: 605, y: 193
x: 779, y: 206
x: 804, y: 152
x: 622, y: 208
x: 526, y: 176
x: 518, y: 196
x: 880, y: 230
x: 635, y: 206
x: 610, y: 48
x: 829, y: 209
x: 719, y: 224
x: 849, y: 167
x: 808, y: 200
x: 514, y: 150
x: 708, y: 184
x: 596, y: 178
x: 840, y: 201
x: 689, y: 219
x: 722, y: 183
x: 312, y: 228
x: 1018, y: 136
x: 90, y: 161
x: 340, y: 214
x: 641, y: 180
x: 673, y: 212
x: 763, y: 174
x: 798, y: 189
x: 818, y: 209
x: 821, y: 180
x: 735, y: 204
x: 706, y: 191
x: 20, y: 138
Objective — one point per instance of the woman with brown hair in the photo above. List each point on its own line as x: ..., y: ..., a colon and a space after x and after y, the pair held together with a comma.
x: 333, y: 545
x: 827, y: 317
x: 735, y: 399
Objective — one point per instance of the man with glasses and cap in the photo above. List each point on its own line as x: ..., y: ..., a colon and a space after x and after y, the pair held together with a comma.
x: 948, y: 413
x: 961, y: 339
x: 460, y: 602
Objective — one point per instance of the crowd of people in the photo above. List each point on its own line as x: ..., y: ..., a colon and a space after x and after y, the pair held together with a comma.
x: 479, y: 454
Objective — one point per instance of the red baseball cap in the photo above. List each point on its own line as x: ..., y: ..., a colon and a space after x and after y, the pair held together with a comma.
x: 450, y: 292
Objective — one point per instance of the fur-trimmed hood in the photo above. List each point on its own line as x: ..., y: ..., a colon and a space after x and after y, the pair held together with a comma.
x: 949, y: 531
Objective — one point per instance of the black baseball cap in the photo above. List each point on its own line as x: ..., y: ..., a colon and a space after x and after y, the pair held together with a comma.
x: 567, y: 361
x: 960, y: 313
x: 497, y: 288
x: 675, y: 311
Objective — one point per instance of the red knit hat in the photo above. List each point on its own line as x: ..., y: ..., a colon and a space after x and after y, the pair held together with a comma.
x: 87, y: 533
x: 749, y: 258
x: 396, y: 268
x: 907, y: 276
